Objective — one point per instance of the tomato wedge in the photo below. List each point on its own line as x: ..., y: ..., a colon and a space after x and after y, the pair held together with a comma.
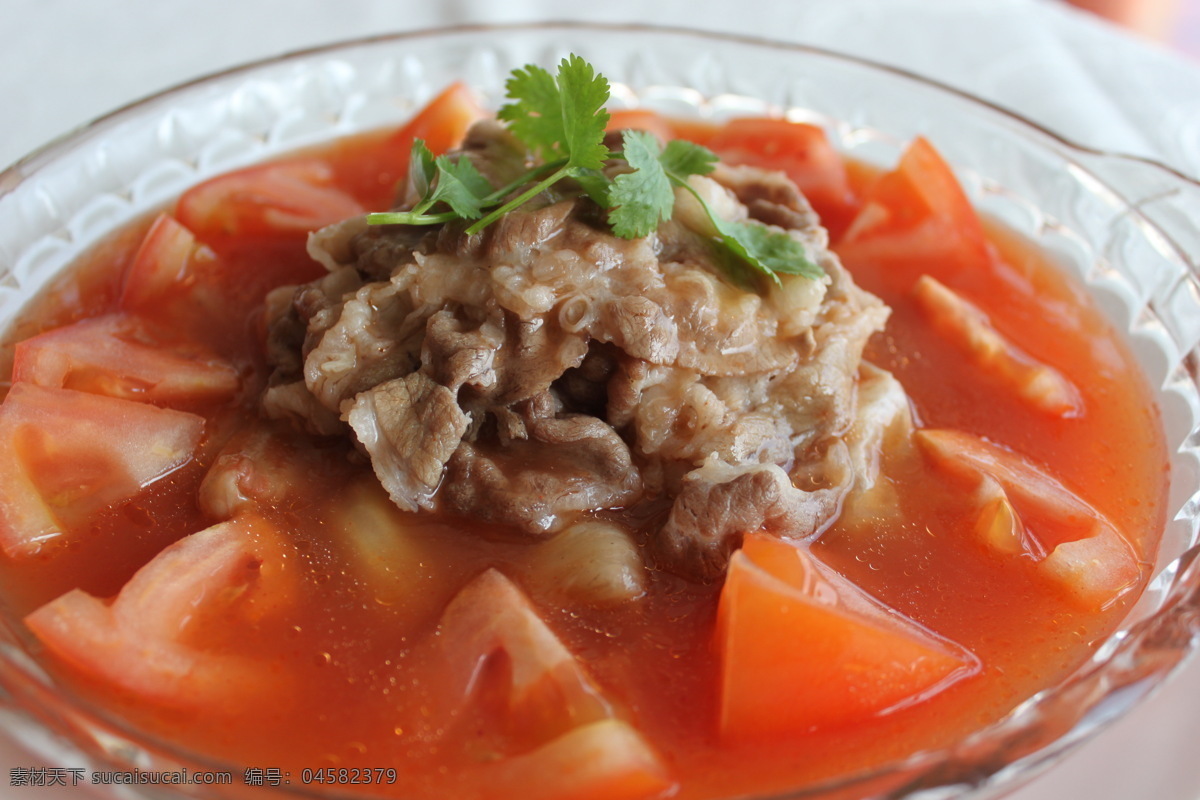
x: 1075, y: 544
x: 802, y: 648
x: 178, y: 282
x: 170, y: 262
x: 800, y: 150
x: 139, y: 643
x: 68, y: 454
x: 605, y: 760
x: 175, y: 279
x: 547, y: 691
x: 1039, y: 385
x: 640, y: 119
x: 569, y: 744
x: 442, y: 123
x: 119, y: 356
x: 285, y: 199
x: 917, y: 213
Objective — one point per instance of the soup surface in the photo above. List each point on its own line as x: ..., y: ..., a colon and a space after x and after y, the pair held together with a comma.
x: 240, y: 581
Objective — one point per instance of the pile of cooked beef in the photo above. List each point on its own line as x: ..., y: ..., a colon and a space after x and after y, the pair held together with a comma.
x: 545, y: 369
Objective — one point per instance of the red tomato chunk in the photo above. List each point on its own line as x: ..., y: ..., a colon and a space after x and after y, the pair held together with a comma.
x: 116, y: 355
x: 68, y: 454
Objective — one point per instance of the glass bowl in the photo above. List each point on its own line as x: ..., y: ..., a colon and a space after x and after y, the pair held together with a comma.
x: 1123, y: 226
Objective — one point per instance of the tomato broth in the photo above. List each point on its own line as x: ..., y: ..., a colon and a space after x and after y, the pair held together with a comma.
x: 338, y: 658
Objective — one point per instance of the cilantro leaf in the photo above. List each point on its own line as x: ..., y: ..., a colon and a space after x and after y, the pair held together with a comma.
x: 536, y: 117
x: 768, y: 252
x: 562, y: 116
x: 584, y: 118
x: 596, y: 185
x: 460, y: 185
x: 420, y: 168
x: 681, y: 158
x: 457, y: 184
x: 643, y: 197
x: 762, y: 250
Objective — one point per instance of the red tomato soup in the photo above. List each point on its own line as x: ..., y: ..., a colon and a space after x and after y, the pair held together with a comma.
x: 248, y: 587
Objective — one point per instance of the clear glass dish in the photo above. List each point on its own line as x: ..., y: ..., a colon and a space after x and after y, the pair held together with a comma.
x: 1124, y: 226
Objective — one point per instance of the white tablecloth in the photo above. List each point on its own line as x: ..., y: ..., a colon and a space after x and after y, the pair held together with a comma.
x: 66, y: 61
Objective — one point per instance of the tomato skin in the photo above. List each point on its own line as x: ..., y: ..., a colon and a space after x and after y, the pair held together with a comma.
x: 605, y: 760
x: 917, y: 214
x: 570, y: 745
x: 257, y: 220
x: 140, y: 644
x: 67, y: 454
x: 179, y: 283
x: 1072, y: 542
x: 168, y: 261
x: 1039, y: 385
x: 375, y: 176
x: 442, y: 123
x: 548, y: 690
x: 118, y: 356
x: 640, y: 119
x: 175, y: 280
x: 800, y: 150
x: 285, y: 199
x: 802, y: 648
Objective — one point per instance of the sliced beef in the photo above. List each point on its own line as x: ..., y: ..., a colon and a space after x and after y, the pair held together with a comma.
x: 515, y: 238
x: 335, y: 246
x: 293, y: 402
x: 545, y: 369
x: 535, y: 353
x: 563, y: 466
x: 772, y: 198
x: 410, y: 427
x: 375, y: 335
x: 718, y: 503
x: 640, y: 327
x: 457, y: 352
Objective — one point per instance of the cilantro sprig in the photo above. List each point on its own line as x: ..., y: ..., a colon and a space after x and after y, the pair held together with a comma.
x: 561, y: 119
x: 644, y: 197
x: 457, y: 184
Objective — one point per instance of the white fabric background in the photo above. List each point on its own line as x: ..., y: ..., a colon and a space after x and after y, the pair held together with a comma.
x: 65, y: 62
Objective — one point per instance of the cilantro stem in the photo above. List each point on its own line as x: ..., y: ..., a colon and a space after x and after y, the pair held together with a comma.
x: 410, y: 218
x: 520, y: 199
x: 532, y: 175
x: 417, y: 214
x: 683, y: 184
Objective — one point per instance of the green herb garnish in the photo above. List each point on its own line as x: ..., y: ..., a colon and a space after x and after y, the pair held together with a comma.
x: 561, y: 119
x: 457, y: 184
x: 644, y: 197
